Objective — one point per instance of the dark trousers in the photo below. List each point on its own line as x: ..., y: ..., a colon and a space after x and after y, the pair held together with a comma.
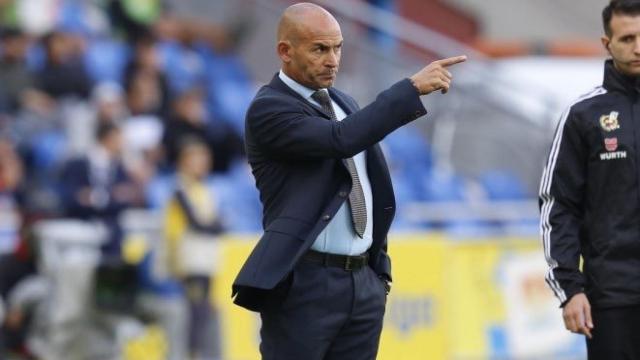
x: 324, y: 313
x: 616, y: 334
x: 204, y: 332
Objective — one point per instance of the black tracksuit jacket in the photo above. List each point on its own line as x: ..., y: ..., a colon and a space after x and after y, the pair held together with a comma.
x: 590, y: 196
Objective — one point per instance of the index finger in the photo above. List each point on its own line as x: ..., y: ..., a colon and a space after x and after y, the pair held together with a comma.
x: 451, y: 61
x: 582, y: 325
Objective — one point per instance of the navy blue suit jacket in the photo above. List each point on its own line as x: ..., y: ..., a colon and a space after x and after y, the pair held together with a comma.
x: 296, y: 155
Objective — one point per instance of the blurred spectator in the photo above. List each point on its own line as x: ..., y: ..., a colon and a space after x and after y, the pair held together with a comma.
x: 14, y: 269
x: 146, y: 59
x: 144, y: 127
x: 133, y: 17
x: 11, y: 177
x: 16, y: 259
x: 14, y: 74
x: 11, y: 170
x: 108, y: 100
x: 18, y: 89
x: 98, y: 186
x: 191, y: 226
x: 81, y: 119
x: 64, y: 73
x: 190, y: 119
x: 144, y: 94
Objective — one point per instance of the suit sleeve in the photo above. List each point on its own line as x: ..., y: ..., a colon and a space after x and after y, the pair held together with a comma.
x: 561, y: 206
x: 282, y: 128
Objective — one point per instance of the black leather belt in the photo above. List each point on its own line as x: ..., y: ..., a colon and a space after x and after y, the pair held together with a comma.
x: 345, y: 262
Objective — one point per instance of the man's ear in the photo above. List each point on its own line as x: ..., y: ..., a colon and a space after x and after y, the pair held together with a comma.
x: 284, y: 51
x: 606, y: 42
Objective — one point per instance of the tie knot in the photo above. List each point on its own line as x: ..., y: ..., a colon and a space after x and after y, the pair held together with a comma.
x: 322, y: 97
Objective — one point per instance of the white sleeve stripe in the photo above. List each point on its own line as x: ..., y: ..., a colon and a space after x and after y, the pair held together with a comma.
x: 546, y: 230
x: 548, y: 200
x: 553, y: 155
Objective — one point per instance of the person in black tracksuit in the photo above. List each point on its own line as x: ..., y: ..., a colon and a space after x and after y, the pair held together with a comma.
x: 590, y: 199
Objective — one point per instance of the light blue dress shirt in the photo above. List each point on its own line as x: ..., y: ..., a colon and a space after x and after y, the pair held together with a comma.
x: 339, y: 237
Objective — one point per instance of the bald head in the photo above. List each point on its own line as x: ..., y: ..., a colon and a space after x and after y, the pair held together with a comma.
x: 309, y: 45
x: 300, y: 19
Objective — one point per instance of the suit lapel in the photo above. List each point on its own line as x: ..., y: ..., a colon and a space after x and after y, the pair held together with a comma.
x: 279, y: 85
x: 345, y: 105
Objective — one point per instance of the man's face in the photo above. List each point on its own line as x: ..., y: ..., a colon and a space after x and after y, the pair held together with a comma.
x: 195, y: 161
x: 15, y: 48
x: 624, y: 43
x: 113, y: 143
x: 313, y: 58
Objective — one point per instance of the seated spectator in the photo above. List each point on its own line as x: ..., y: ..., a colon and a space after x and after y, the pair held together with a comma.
x: 108, y: 100
x: 98, y: 186
x: 16, y: 259
x: 18, y: 82
x: 144, y: 94
x: 64, y: 73
x: 192, y: 223
x: 14, y: 74
x: 15, y: 269
x: 190, y: 120
x: 133, y: 17
x: 11, y: 179
x: 144, y: 127
x: 147, y: 59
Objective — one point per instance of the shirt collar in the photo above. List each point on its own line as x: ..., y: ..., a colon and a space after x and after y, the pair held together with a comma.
x: 302, y: 90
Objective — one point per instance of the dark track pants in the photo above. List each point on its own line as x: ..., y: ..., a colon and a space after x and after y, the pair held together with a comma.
x: 616, y: 334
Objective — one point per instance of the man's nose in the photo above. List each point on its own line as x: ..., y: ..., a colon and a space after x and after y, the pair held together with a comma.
x: 636, y: 47
x: 332, y: 59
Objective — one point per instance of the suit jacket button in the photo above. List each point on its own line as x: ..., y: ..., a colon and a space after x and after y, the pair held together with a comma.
x: 326, y: 217
x: 342, y: 194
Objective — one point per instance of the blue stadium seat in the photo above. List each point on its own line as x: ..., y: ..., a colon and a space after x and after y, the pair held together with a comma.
x: 160, y: 190
x: 411, y: 162
x: 73, y: 17
x: 239, y: 200
x: 49, y: 150
x: 106, y: 59
x: 36, y: 57
x: 443, y: 187
x: 229, y: 87
x: 184, y: 66
x: 409, y: 148
x: 502, y: 185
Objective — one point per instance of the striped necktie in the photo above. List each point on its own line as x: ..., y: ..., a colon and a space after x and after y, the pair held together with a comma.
x: 356, y: 197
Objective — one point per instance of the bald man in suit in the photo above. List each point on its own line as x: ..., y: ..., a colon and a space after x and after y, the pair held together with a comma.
x: 320, y: 274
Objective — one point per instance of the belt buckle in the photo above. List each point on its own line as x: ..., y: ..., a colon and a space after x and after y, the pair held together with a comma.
x: 347, y: 264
